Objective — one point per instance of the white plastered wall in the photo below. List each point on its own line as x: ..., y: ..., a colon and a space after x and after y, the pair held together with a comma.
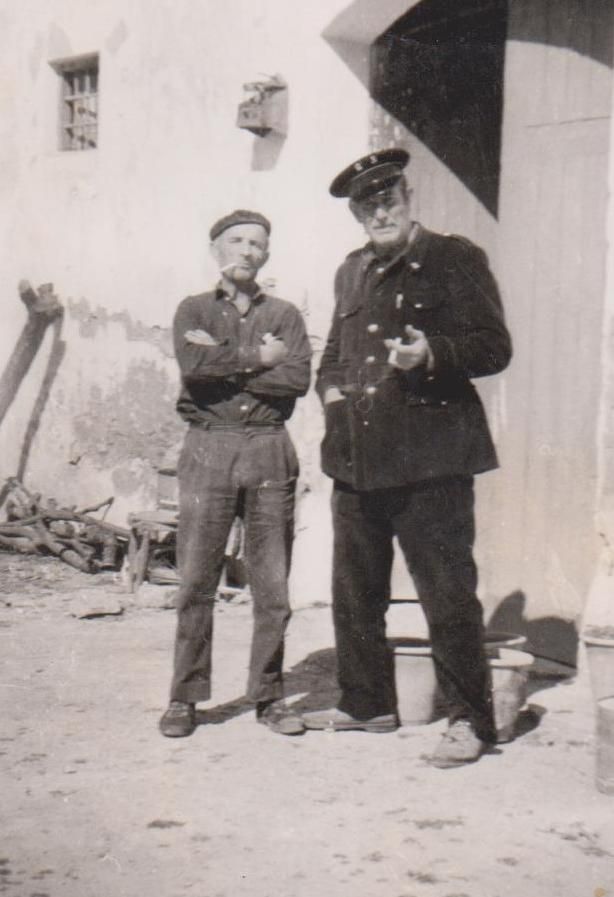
x: 121, y: 231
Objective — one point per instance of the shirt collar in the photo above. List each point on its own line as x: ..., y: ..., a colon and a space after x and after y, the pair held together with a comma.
x: 220, y: 293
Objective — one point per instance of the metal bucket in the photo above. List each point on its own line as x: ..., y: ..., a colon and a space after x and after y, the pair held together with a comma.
x: 417, y: 691
x: 496, y: 640
x: 415, y: 680
x: 600, y: 660
x: 605, y: 746
x: 510, y: 675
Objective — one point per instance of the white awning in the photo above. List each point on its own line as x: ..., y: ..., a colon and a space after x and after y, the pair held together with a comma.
x: 352, y: 32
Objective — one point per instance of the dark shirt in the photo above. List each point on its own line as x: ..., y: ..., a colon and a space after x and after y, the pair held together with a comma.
x: 396, y: 427
x: 226, y: 383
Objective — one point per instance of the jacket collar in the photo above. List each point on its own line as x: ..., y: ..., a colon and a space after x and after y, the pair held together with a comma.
x: 412, y: 255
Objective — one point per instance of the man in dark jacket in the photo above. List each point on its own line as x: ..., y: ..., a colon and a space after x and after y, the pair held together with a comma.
x: 244, y: 359
x: 417, y: 316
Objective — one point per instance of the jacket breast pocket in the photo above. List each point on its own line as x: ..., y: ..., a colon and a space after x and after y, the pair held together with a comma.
x: 426, y: 308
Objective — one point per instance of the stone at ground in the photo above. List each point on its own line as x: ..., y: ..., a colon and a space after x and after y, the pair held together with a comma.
x: 92, y: 603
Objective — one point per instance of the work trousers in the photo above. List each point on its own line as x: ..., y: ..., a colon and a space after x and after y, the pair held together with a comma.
x: 434, y: 523
x: 224, y: 472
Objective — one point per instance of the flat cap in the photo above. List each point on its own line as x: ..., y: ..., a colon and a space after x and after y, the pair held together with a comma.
x: 239, y: 216
x: 371, y: 173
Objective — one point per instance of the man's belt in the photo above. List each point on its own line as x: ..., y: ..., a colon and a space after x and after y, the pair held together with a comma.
x: 238, y: 425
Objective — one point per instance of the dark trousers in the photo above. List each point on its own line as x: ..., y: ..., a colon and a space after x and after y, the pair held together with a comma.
x: 223, y: 472
x: 434, y: 523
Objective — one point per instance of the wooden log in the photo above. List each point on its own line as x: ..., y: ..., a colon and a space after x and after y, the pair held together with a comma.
x: 43, y: 307
x: 28, y: 508
x: 50, y: 528
x: 59, y: 548
x: 18, y: 543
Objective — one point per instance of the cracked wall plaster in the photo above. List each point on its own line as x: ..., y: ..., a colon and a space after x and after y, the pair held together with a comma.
x: 91, y: 320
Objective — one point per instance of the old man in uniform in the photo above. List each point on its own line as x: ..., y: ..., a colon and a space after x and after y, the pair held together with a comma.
x: 417, y: 317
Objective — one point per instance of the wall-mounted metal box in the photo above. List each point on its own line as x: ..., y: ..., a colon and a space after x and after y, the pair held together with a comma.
x: 265, y: 110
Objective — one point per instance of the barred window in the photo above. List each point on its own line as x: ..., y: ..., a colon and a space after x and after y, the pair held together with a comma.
x: 79, y: 102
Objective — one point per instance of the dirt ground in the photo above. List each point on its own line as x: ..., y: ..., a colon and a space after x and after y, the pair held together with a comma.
x: 95, y: 803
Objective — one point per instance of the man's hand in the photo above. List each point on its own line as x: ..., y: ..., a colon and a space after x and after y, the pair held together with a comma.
x: 407, y: 356
x: 333, y: 394
x: 272, y: 351
x: 200, y: 338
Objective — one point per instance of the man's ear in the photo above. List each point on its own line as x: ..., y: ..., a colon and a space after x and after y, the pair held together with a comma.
x: 213, y: 249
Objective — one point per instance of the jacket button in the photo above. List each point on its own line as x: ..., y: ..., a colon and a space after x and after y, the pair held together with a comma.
x: 371, y: 390
x: 370, y: 359
x: 443, y: 402
x: 418, y: 305
x: 365, y: 423
x: 372, y: 328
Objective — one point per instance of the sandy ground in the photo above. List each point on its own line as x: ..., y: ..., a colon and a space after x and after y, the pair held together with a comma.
x: 95, y: 803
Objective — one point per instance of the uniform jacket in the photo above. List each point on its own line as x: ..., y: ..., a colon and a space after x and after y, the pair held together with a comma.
x: 394, y: 427
x: 226, y: 383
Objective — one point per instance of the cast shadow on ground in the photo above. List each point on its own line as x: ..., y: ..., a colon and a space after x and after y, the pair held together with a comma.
x: 314, y: 678
x: 314, y: 681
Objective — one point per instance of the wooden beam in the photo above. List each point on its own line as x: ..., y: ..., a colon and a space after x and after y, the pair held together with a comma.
x: 42, y: 307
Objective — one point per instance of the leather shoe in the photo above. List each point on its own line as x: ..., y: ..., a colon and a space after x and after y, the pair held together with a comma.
x: 336, y: 720
x: 458, y: 746
x: 279, y: 718
x: 179, y: 720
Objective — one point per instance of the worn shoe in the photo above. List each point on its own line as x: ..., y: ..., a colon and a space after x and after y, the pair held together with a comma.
x: 459, y: 745
x: 336, y: 720
x: 279, y: 718
x: 179, y: 720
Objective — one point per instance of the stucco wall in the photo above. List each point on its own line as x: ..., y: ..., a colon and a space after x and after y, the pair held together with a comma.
x: 121, y: 231
x: 551, y: 412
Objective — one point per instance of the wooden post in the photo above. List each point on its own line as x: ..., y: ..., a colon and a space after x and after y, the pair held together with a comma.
x: 43, y: 307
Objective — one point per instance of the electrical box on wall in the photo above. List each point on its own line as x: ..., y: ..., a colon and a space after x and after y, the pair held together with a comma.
x: 265, y: 110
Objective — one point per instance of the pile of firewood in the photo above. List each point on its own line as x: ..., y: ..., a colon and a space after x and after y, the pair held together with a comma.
x: 34, y: 526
